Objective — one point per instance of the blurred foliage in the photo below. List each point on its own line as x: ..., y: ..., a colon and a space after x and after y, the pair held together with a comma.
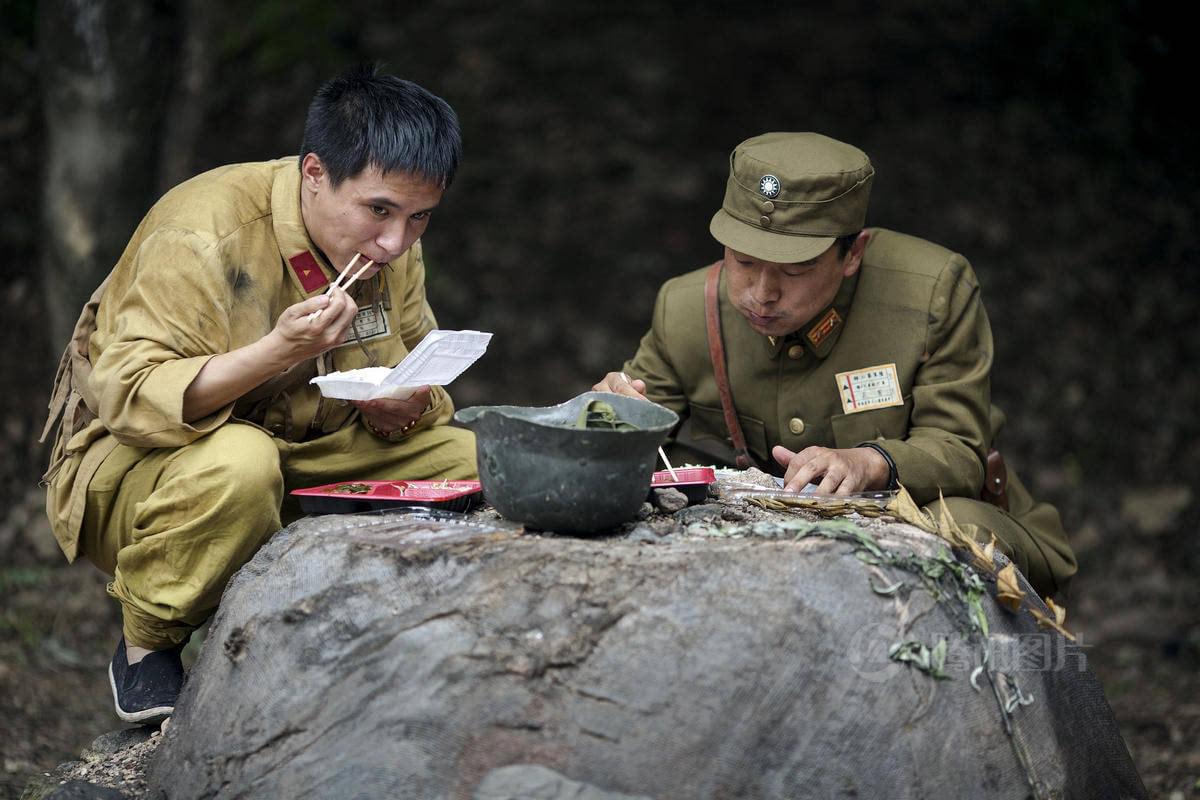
x: 265, y: 37
x: 12, y: 578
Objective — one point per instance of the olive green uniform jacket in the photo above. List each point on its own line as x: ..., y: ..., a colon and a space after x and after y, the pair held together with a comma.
x: 912, y: 304
x: 210, y: 269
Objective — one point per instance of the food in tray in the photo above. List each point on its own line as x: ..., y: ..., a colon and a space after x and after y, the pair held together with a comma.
x: 356, y: 496
x: 350, y: 488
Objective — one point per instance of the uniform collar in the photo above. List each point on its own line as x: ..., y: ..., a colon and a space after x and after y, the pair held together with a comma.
x: 309, y: 271
x: 821, y: 333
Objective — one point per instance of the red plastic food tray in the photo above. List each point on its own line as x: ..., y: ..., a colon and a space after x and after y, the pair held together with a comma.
x: 348, y: 497
x: 693, y: 481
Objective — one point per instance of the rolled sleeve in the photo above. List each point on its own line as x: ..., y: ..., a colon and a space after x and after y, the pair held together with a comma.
x: 168, y: 322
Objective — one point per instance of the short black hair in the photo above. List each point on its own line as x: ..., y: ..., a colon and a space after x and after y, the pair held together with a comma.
x: 365, y: 118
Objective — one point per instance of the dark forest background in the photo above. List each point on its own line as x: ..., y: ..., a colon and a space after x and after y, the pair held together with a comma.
x: 1047, y: 141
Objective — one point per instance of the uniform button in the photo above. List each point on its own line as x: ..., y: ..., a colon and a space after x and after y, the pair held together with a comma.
x: 795, y: 351
x: 796, y: 425
x: 768, y: 207
x: 765, y: 221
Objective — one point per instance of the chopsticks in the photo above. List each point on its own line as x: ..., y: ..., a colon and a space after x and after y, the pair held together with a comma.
x: 350, y: 282
x: 661, y: 453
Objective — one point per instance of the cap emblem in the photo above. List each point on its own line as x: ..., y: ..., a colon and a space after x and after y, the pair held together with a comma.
x: 768, y: 186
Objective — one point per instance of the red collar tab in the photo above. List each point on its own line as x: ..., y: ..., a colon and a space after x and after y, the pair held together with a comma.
x: 311, y: 276
x: 825, y: 326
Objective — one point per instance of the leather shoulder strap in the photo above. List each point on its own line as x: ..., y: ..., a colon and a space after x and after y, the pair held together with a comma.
x: 716, y: 352
x: 995, y: 482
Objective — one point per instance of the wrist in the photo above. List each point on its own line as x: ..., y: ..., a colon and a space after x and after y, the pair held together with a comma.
x: 389, y: 435
x: 885, y: 476
x: 273, y: 353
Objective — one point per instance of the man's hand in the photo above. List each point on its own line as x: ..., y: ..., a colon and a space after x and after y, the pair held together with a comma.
x: 856, y: 469
x: 620, y: 383
x: 387, y: 415
x: 298, y: 336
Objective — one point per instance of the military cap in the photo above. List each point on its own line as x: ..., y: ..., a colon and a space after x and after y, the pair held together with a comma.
x: 790, y: 195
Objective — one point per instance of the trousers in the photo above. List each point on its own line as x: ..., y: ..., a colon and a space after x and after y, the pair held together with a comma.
x: 172, y: 525
x: 1029, y: 533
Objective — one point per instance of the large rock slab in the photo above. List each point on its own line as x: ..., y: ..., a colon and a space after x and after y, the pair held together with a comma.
x: 382, y: 656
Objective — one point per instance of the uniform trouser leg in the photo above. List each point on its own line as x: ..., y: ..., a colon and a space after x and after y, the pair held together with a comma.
x: 172, y: 525
x: 1030, y: 534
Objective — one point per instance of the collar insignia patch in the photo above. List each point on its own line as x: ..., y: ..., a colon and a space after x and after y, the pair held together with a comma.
x: 310, y: 274
x: 825, y: 326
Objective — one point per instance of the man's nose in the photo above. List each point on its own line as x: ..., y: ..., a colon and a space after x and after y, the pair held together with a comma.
x: 766, y: 286
x: 392, y: 238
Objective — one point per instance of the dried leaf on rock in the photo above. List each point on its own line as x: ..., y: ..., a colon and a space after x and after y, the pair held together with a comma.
x: 905, y: 509
x: 1008, y: 592
x: 1059, y: 612
x: 983, y: 554
x: 989, y: 550
x: 1046, y: 621
x: 958, y: 537
x: 947, y: 525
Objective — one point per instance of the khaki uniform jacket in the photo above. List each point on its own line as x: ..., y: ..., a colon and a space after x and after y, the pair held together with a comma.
x: 912, y: 304
x: 210, y: 269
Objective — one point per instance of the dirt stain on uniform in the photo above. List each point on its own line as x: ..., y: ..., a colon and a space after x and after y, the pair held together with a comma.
x: 239, y: 280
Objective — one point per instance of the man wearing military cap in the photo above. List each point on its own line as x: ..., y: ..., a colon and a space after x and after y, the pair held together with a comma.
x: 852, y: 358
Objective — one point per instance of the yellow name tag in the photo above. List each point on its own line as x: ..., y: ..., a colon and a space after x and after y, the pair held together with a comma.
x: 873, y: 387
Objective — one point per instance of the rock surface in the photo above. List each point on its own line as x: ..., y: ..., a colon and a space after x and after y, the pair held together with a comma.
x: 391, y: 656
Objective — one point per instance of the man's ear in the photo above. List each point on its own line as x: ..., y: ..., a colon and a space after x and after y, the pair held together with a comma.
x: 312, y: 171
x: 854, y: 257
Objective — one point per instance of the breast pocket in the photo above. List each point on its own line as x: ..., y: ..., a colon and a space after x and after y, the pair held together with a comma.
x: 850, y: 430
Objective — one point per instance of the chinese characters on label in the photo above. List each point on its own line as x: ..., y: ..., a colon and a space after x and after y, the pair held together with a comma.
x: 873, y: 387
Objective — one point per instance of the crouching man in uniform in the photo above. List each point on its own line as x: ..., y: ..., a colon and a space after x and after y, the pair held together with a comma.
x: 186, y: 409
x: 852, y: 359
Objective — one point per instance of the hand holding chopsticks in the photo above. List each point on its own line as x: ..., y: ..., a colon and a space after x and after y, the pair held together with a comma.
x: 338, y: 281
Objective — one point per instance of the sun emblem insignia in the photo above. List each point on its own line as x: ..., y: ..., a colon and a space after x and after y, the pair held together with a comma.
x: 768, y: 185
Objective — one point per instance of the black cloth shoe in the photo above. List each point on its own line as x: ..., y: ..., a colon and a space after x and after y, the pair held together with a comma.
x: 145, y: 692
